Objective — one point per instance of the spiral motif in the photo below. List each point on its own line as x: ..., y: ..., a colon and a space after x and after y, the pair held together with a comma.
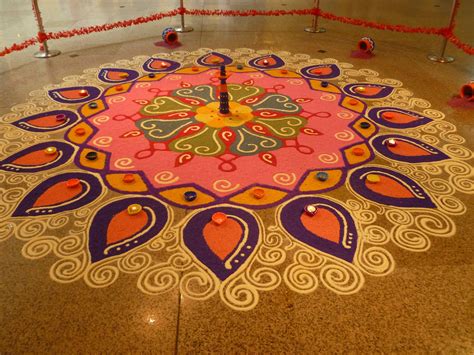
x: 69, y: 269
x: 435, y: 223
x: 263, y: 278
x: 165, y: 178
x: 411, y: 239
x: 432, y: 169
x: 300, y: 279
x: 328, y: 97
x: 39, y: 247
x: 271, y: 257
x: 6, y: 230
x: 376, y: 235
x: 30, y: 228
x: 243, y: 297
x: 341, y: 279
x: 224, y: 186
x: 116, y: 99
x: 328, y: 158
x: 376, y: 261
x: 309, y: 259
x: 71, y: 245
x: 134, y: 262
x: 344, y: 136
x: 180, y: 261
x: 198, y: 285
x: 124, y: 164
x: 103, y: 141
x: 295, y: 82
x: 102, y: 274
x: 57, y: 221
x: 399, y: 217
x: 142, y: 85
x: 451, y: 205
x: 457, y: 151
x: 284, y: 178
x: 8, y: 198
x: 273, y: 239
x: 158, y: 279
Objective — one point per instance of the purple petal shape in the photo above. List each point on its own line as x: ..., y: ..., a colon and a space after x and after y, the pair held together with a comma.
x: 290, y: 218
x: 69, y: 95
x: 64, y: 153
x: 391, y: 196
x: 307, y: 71
x: 206, y: 59
x: 156, y: 216
x: 91, y: 188
x: 106, y: 74
x: 194, y: 240
x: 432, y: 154
x: 258, y: 62
x: 376, y: 114
x: 34, y: 124
x: 385, y: 91
x: 154, y: 65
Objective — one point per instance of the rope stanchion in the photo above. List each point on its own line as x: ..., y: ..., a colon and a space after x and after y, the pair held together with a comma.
x: 44, y: 52
x: 442, y: 58
x: 314, y: 25
x: 42, y: 37
x: 183, y: 27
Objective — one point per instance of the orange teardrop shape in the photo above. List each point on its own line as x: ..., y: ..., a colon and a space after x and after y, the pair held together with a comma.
x: 123, y: 226
x: 116, y: 75
x: 46, y: 121
x: 269, y: 61
x: 408, y: 149
x: 371, y: 90
x: 57, y: 193
x: 35, y: 158
x: 71, y: 94
x: 401, y: 118
x: 321, y: 71
x: 389, y: 187
x: 223, y: 239
x: 324, y: 224
x: 213, y: 59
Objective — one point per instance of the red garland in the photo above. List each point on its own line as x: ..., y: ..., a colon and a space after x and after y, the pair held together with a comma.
x: 18, y: 47
x: 446, y: 32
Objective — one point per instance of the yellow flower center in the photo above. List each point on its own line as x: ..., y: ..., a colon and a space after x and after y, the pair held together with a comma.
x: 209, y: 114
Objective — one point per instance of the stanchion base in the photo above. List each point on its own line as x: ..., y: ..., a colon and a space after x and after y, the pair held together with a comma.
x: 315, y: 30
x: 437, y: 58
x: 48, y: 54
x: 184, y: 29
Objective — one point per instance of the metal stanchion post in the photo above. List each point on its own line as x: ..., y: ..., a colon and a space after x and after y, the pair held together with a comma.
x: 183, y: 27
x: 441, y: 58
x: 45, y: 52
x: 314, y: 26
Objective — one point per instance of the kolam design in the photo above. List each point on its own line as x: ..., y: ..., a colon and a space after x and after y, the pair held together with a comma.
x: 132, y: 168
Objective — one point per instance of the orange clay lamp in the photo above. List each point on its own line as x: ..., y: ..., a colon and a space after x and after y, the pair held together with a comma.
x: 366, y: 44
x: 467, y: 91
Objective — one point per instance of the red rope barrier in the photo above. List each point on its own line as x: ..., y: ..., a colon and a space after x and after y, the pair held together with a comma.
x: 446, y: 32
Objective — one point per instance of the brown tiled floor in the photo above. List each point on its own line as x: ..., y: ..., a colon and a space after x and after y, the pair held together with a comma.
x: 425, y: 305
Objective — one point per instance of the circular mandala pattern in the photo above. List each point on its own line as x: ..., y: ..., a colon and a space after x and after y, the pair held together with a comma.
x: 191, y: 181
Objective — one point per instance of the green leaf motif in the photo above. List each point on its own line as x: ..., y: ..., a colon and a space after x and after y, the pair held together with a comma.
x: 277, y: 102
x: 283, y: 127
x: 251, y: 143
x: 158, y: 130
x: 163, y: 105
x: 205, y: 143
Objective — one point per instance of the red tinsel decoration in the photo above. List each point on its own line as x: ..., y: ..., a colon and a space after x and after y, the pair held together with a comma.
x: 446, y: 32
